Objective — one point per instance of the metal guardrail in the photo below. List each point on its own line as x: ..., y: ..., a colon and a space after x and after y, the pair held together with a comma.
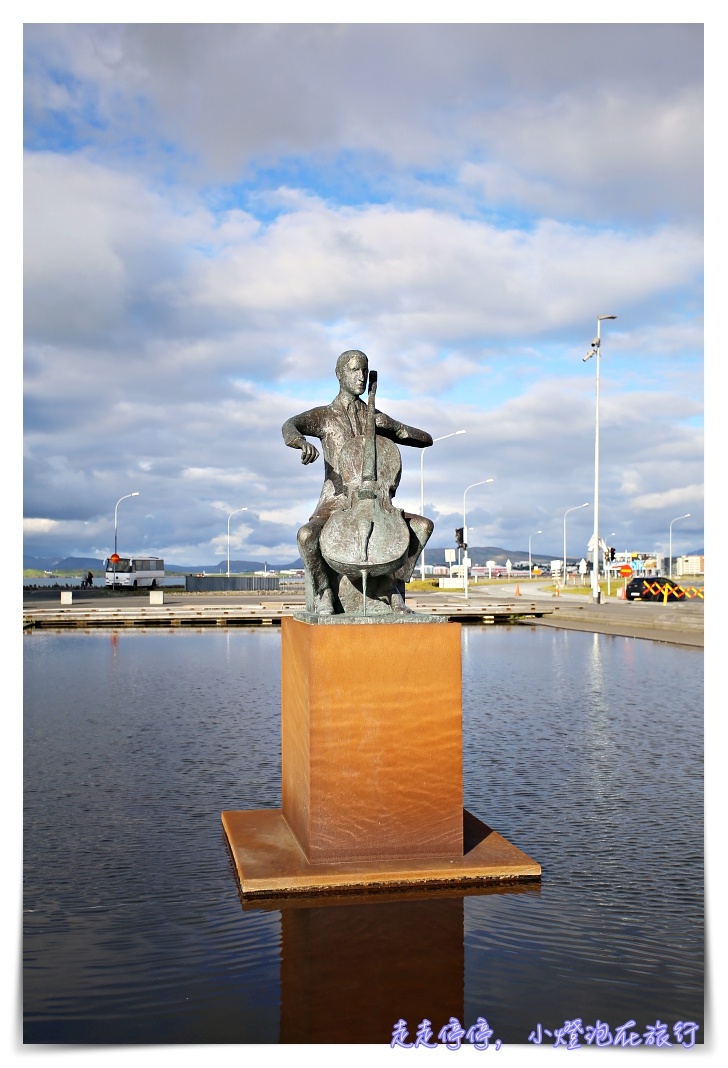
x: 236, y: 583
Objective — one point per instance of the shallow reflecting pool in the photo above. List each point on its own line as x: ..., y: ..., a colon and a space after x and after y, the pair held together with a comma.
x: 584, y: 750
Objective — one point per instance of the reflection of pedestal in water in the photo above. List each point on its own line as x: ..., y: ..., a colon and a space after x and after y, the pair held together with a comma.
x: 350, y: 971
x: 353, y: 965
x: 371, y: 755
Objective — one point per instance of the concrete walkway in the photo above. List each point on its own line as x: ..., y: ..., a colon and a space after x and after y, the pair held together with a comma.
x: 677, y: 623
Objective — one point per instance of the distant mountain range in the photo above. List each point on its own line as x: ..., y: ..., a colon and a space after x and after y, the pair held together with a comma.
x: 68, y: 563
x: 433, y: 557
x: 90, y: 563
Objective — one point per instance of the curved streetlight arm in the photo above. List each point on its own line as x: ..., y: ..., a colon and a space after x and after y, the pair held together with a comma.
x: 481, y: 483
x: 677, y: 517
x: 454, y: 434
x: 576, y: 506
x: 465, y: 531
x: 116, y: 507
x: 530, y: 570
x: 228, y: 535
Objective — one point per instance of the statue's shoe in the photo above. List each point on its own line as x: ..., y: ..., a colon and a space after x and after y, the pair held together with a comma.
x: 398, y: 604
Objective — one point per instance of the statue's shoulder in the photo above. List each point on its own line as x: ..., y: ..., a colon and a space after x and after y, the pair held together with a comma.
x: 314, y: 419
x: 323, y: 414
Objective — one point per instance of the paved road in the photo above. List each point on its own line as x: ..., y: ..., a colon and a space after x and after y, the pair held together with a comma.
x: 677, y: 622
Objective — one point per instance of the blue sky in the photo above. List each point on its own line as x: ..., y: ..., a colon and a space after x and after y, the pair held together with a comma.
x: 214, y: 212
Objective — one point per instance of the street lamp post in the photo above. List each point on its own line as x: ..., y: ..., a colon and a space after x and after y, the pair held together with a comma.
x: 116, y: 528
x: 530, y: 569
x: 228, y: 538
x: 116, y: 540
x: 686, y: 516
x: 465, y: 531
x: 422, y: 487
x: 584, y: 505
x: 595, y: 350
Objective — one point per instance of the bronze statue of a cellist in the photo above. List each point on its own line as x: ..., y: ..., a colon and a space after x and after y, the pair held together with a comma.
x: 370, y: 547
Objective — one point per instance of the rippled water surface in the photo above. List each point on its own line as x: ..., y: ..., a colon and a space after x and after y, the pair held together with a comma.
x: 583, y: 750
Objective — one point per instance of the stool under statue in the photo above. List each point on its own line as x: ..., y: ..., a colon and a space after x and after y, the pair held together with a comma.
x: 371, y: 692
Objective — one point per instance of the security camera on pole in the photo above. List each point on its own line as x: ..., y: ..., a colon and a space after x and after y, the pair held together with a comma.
x: 595, y: 350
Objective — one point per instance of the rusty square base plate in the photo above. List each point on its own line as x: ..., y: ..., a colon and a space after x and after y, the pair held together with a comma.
x: 269, y: 861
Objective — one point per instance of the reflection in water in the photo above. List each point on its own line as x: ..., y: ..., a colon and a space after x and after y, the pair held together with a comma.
x: 133, y: 928
x: 350, y: 971
x: 351, y: 966
x: 597, y: 720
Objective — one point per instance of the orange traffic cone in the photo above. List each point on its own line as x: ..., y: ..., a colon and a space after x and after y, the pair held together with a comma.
x: 518, y: 591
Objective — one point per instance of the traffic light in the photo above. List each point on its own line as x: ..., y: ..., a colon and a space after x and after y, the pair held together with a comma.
x: 459, y: 533
x: 612, y: 554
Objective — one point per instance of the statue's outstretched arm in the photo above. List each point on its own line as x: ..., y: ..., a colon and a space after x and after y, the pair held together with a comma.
x: 294, y: 431
x: 401, y: 433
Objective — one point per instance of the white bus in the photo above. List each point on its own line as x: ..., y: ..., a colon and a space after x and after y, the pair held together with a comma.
x: 135, y: 571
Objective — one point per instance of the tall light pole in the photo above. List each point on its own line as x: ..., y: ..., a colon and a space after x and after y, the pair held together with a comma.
x: 422, y: 486
x: 595, y: 350
x: 229, y: 518
x: 116, y: 507
x: 686, y: 516
x: 465, y: 531
x: 584, y: 505
x: 530, y: 569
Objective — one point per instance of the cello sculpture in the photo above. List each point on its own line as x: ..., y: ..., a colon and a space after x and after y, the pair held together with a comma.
x: 368, y: 536
x: 358, y: 548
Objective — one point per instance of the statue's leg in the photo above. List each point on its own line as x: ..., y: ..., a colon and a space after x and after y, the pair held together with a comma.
x: 308, y: 546
x: 420, y: 530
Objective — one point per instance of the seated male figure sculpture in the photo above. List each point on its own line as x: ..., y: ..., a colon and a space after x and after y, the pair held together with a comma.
x: 335, y: 424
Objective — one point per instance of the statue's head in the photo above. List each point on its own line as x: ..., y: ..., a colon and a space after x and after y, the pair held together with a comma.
x: 352, y: 370
x: 345, y: 358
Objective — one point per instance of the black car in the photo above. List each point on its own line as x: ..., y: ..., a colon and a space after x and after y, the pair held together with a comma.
x: 652, y: 588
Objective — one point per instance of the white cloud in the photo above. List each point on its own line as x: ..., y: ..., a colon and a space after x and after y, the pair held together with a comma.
x: 584, y: 109
x: 115, y: 279
x: 677, y: 498
x: 614, y: 153
x: 172, y: 325
x: 40, y: 526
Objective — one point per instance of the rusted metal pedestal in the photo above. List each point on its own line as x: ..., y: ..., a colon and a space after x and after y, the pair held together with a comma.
x: 371, y: 755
